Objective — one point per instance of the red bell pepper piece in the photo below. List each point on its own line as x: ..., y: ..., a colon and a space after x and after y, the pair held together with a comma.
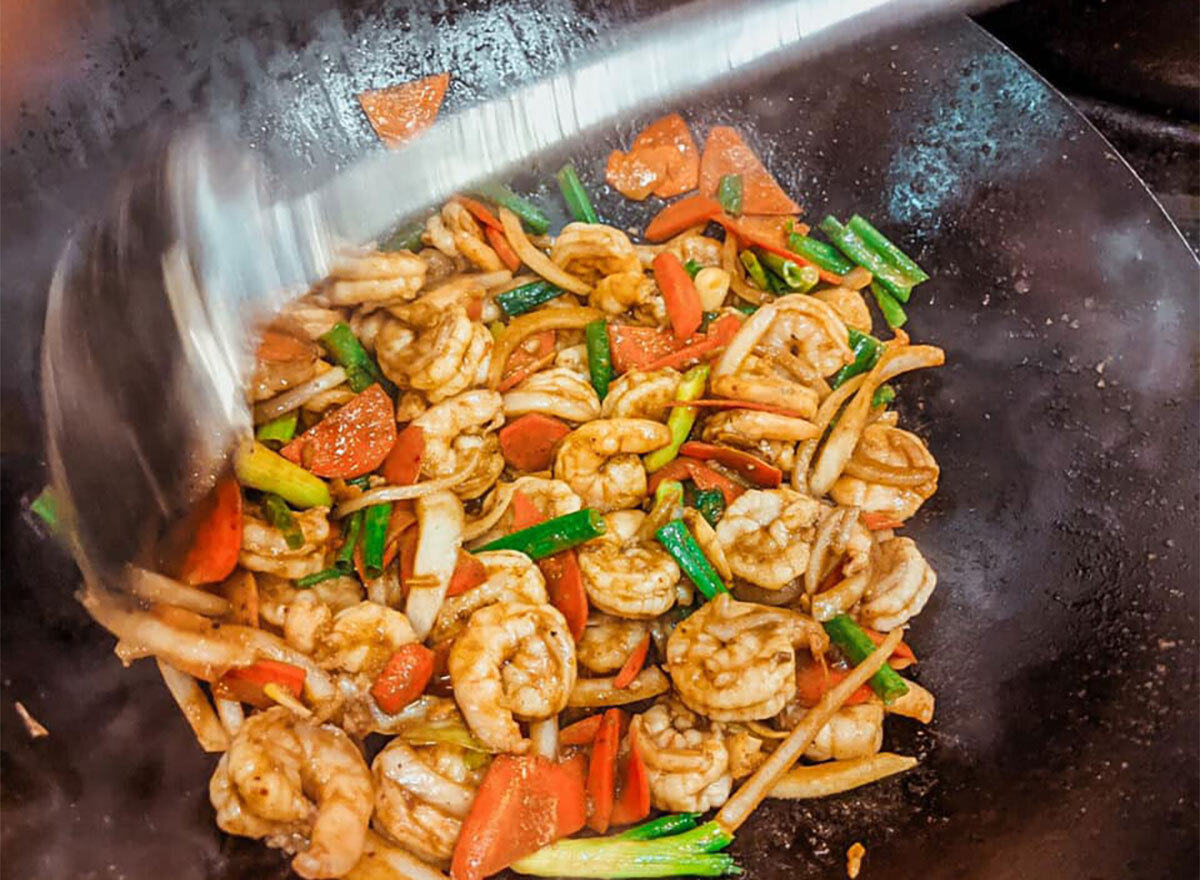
x: 702, y: 475
x: 633, y: 803
x: 218, y: 538
x: 404, y: 677
x: 679, y: 295
x: 602, y: 771
x: 245, y: 683
x: 751, y: 467
x: 633, y: 665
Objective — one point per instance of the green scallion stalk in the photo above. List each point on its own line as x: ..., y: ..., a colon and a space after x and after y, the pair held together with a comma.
x: 46, y: 508
x: 279, y: 430
x: 695, y: 852
x: 755, y: 270
x: 746, y: 308
x: 663, y: 826
x: 258, y: 467
x: 599, y: 356
x: 867, y: 350
x: 279, y: 515
x: 309, y: 580
x: 375, y: 525
x: 798, y: 278
x: 856, y: 249
x: 531, y: 215
x: 892, y: 311
x: 729, y: 194
x: 552, y: 536
x: 823, y: 255
x: 710, y: 503
x: 856, y: 645
x: 880, y: 243
x: 527, y: 297
x: 361, y: 370
x: 678, y: 541
x: 575, y: 195
x: 682, y: 418
x: 883, y: 395
x: 345, y: 556
x: 692, y: 268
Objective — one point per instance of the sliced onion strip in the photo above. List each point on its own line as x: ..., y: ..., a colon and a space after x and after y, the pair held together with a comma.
x: 284, y: 403
x: 834, y: 777
x: 535, y: 259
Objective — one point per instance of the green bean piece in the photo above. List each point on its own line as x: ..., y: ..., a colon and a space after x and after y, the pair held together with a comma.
x: 531, y: 215
x: 46, y: 508
x: 375, y: 525
x: 552, y: 536
x: 892, y: 311
x: 867, y: 350
x: 279, y: 515
x: 755, y: 270
x: 527, y: 297
x: 345, y: 556
x: 848, y: 242
x: 857, y: 645
x: 309, y: 580
x: 279, y: 430
x: 729, y: 194
x: 599, y: 355
x: 678, y: 541
x: 880, y: 243
x: 799, y: 279
x: 823, y: 255
x: 361, y: 370
x: 575, y: 195
x: 746, y: 308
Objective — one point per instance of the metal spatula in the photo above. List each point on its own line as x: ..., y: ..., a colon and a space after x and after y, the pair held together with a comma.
x: 154, y: 305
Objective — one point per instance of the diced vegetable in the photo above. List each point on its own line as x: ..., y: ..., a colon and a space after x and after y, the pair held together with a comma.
x: 553, y: 536
x: 531, y: 215
x: 361, y: 370
x: 679, y: 295
x: 480, y: 212
x: 692, y: 268
x: 649, y: 348
x: 693, y: 853
x: 703, y: 476
x: 404, y: 678
x: 345, y: 557
x: 678, y: 541
x: 718, y: 336
x: 903, y: 653
x: 662, y: 161
x: 867, y: 350
x: 354, y: 439
x: 892, y: 311
x: 524, y: 803
x: 824, y: 256
x: 575, y: 195
x: 602, y: 771
x: 725, y: 152
x: 403, y: 463
x: 814, y: 679
x: 879, y: 243
x: 663, y: 826
x: 528, y: 443
x: 710, y: 503
x: 682, y: 418
x: 879, y: 521
x: 797, y: 278
x: 244, y: 684
x: 729, y: 194
x: 499, y: 243
x: 279, y: 515
x: 401, y: 112
x: 326, y: 574
x: 883, y: 395
x: 633, y: 665
x: 564, y: 586
x: 537, y: 354
x: 754, y: 469
x: 599, y: 356
x: 848, y: 242
x: 524, y: 512
x: 468, y: 574
x: 633, y: 799
x: 527, y: 297
x: 218, y: 536
x: 755, y: 270
x: 680, y: 215
x: 581, y: 733
x: 281, y: 429
x: 856, y: 645
x: 375, y: 524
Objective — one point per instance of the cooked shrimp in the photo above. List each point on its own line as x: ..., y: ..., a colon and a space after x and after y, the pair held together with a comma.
x: 608, y: 641
x: 625, y: 575
x: 901, y: 583
x: 276, y: 594
x: 556, y: 392
x: 807, y: 338
x: 591, y: 251
x: 265, y: 549
x: 376, y: 277
x: 600, y: 460
x: 573, y: 358
x: 766, y: 535
x: 746, y: 427
x: 511, y: 577
x: 513, y: 661
x: 622, y: 292
x: 849, y: 305
x: 639, y: 395
x: 307, y: 320
x: 460, y: 430
x: 736, y: 661
x: 362, y: 638
x: 303, y: 787
x: 284, y: 361
x: 685, y: 756
x: 854, y: 732
x: 422, y: 794
x: 891, y: 472
x: 468, y: 237
x: 443, y: 359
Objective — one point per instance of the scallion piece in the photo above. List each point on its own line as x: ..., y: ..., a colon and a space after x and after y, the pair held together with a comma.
x: 681, y: 419
x: 599, y: 356
x: 695, y: 852
x: 663, y: 826
x: 326, y: 574
x: 746, y: 308
x: 692, y: 268
x: 527, y: 297
x: 710, y: 503
x: 798, y: 278
x: 823, y: 255
x: 46, y: 508
x: 375, y: 525
x: 258, y: 467
x: 866, y: 350
x: 345, y: 556
x: 729, y: 194
x: 880, y: 243
x: 575, y: 195
x: 405, y: 238
x: 278, y: 430
x: 678, y: 541
x: 531, y: 215
x: 279, y: 515
x: 755, y: 270
x: 361, y: 370
x: 856, y: 249
x: 883, y: 395
x: 856, y: 645
x: 892, y: 311
x: 552, y: 536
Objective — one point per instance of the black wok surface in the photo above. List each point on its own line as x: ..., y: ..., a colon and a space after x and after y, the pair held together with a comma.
x: 1061, y: 639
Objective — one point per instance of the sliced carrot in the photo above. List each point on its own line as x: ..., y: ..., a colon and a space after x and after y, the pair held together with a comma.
x: 747, y: 404
x: 651, y: 348
x: 480, y: 212
x: 468, y: 573
x: 475, y: 308
x: 525, y: 513
x: 516, y: 377
x: 903, y: 651
x: 633, y: 802
x: 399, y: 113
x: 719, y: 334
x: 726, y: 153
x: 279, y: 347
x: 678, y: 216
x: 564, y: 583
x: 814, y: 679
x: 663, y: 160
x: 403, y: 463
x: 702, y: 475
x: 581, y: 733
x: 877, y: 522
x: 352, y: 441
x: 771, y: 228
x: 245, y: 683
x: 218, y: 536
x: 531, y: 355
x: 751, y: 467
x: 679, y: 295
x: 403, y: 678
x: 503, y: 249
x: 528, y: 443
x: 403, y: 517
x: 637, y: 659
x: 749, y: 239
x: 602, y: 769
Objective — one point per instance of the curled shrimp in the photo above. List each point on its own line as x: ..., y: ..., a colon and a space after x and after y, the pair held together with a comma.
x: 891, y: 472
x: 624, y: 291
x: 375, y: 277
x: 265, y: 549
x: 558, y: 392
x: 591, y: 251
x: 511, y: 577
x: 640, y: 395
x: 626, y: 575
x: 276, y: 595
x: 736, y: 661
x: 686, y: 758
x: 459, y: 430
x: 468, y: 237
x: 901, y: 583
x: 442, y: 359
x: 853, y: 732
x: 766, y: 536
x: 608, y: 641
x: 422, y: 795
x: 360, y: 638
x: 849, y: 305
x: 284, y: 360
x: 302, y: 786
x: 513, y: 661
x: 600, y: 460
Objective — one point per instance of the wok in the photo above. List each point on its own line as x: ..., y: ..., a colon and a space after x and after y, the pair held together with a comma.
x: 1061, y: 642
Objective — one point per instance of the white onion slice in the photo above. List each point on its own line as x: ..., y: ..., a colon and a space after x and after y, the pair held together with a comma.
x: 282, y: 404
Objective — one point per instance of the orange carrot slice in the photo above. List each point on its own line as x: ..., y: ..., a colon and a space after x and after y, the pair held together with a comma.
x: 528, y: 443
x: 663, y: 161
x: 678, y: 216
x: 726, y: 153
x: 400, y: 113
x: 633, y: 665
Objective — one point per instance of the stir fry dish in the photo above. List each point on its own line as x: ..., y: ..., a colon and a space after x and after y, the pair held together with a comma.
x: 559, y: 549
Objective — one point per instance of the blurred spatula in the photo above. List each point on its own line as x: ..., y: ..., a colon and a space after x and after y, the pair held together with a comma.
x: 152, y: 309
